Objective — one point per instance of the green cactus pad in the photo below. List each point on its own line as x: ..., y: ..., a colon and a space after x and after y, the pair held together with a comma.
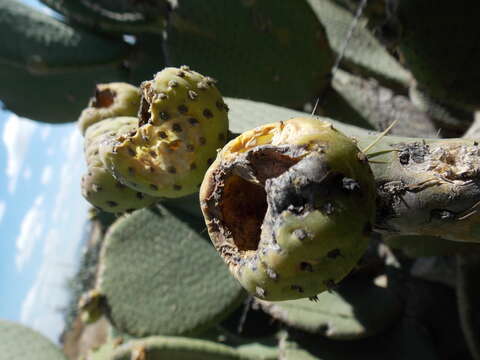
x: 419, y: 246
x: 452, y: 120
x: 110, y: 100
x: 246, y: 114
x: 379, y: 106
x: 104, y: 352
x: 176, y: 348
x: 18, y: 342
x: 130, y: 17
x: 281, y: 206
x: 162, y: 278
x: 444, y: 51
x: 40, y: 55
x: 183, y: 121
x: 345, y: 314
x: 99, y: 187
x: 272, y: 51
x: 364, y: 53
x: 259, y: 351
x: 42, y: 43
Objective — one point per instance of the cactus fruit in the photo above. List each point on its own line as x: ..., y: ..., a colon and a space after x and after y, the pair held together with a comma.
x: 99, y: 187
x: 90, y: 306
x: 182, y: 122
x: 282, y: 206
x: 110, y: 100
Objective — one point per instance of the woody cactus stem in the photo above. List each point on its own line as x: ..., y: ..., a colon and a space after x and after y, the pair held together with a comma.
x: 426, y: 187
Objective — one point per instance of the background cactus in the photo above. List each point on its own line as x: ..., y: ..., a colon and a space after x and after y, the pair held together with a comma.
x: 391, y: 66
x: 151, y: 273
x: 20, y: 342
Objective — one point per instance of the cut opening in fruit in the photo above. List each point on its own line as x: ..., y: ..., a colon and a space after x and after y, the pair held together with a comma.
x: 103, y: 98
x: 243, y: 208
x: 144, y: 114
x: 244, y: 202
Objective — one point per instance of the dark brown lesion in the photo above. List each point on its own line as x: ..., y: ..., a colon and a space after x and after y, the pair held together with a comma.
x: 269, y: 163
x: 234, y: 199
x: 143, y: 112
x: 103, y: 98
x: 243, y: 208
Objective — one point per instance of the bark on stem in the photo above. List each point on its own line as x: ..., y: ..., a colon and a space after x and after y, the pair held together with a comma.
x: 427, y: 187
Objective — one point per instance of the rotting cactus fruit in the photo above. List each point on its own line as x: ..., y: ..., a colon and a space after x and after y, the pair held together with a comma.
x: 289, y: 207
x: 182, y: 122
x: 99, y: 187
x: 110, y: 100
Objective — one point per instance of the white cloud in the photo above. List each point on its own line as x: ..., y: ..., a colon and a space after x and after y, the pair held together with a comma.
x: 70, y: 174
x: 3, y: 206
x: 27, y: 173
x: 17, y: 135
x: 47, y: 174
x: 30, y: 231
x: 40, y: 309
x: 45, y: 133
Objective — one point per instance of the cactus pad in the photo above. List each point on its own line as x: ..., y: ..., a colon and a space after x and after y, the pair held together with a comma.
x: 345, y: 314
x: 281, y: 203
x: 442, y: 52
x: 160, y: 277
x: 163, y: 347
x: 272, y: 51
x: 18, y: 342
x: 364, y: 52
x: 183, y: 121
x: 99, y: 187
x: 110, y: 100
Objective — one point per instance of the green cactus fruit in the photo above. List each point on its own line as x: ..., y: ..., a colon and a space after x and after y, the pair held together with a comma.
x: 90, y: 306
x: 164, y: 347
x: 289, y: 206
x: 99, y: 187
x: 110, y: 100
x: 183, y: 121
x: 18, y: 342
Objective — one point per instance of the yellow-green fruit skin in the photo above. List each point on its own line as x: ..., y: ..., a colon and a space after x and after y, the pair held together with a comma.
x: 110, y: 100
x: 99, y: 187
x: 182, y: 122
x: 319, y: 207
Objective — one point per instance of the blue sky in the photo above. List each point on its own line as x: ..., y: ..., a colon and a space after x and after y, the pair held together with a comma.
x: 42, y: 217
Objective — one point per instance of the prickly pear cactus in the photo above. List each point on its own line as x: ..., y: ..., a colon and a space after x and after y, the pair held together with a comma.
x: 183, y: 121
x: 281, y: 203
x: 442, y: 52
x: 110, y: 100
x: 281, y: 45
x: 21, y: 343
x: 90, y: 306
x: 164, y: 347
x: 99, y: 187
x: 160, y: 277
